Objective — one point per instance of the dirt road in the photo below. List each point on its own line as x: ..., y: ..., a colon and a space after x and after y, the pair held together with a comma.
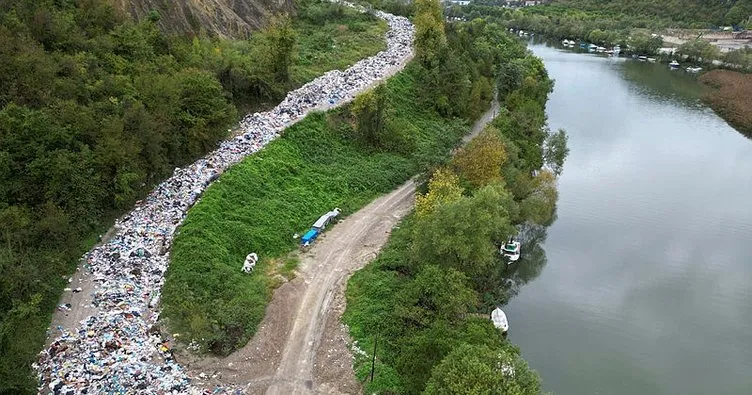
x: 301, y: 347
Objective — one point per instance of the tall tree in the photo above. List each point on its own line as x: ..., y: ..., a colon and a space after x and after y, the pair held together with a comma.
x: 480, y: 162
x: 370, y: 110
x: 480, y: 370
x: 443, y: 188
x: 430, y: 38
x: 282, y: 38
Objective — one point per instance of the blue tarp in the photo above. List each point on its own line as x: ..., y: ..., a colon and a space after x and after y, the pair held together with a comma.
x: 309, y: 236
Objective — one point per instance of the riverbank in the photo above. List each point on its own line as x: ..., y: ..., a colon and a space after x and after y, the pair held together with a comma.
x: 730, y: 97
x: 416, y: 313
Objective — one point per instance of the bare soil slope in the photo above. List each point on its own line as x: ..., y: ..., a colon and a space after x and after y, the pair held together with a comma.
x: 224, y: 18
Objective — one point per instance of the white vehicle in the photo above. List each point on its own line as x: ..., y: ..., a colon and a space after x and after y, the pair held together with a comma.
x: 511, y: 250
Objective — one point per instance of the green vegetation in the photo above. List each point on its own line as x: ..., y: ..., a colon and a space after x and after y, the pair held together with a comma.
x: 320, y: 163
x: 425, y: 300
x: 342, y: 159
x: 96, y: 109
x: 614, y: 22
x: 699, y: 13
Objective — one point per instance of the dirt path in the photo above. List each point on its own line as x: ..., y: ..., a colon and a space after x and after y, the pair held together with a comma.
x: 301, y: 347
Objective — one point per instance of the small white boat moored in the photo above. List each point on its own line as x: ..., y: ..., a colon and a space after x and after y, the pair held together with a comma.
x: 511, y: 250
x: 674, y: 64
x: 499, y: 319
x: 694, y: 69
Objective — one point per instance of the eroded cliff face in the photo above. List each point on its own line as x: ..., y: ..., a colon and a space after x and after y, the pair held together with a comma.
x: 225, y: 18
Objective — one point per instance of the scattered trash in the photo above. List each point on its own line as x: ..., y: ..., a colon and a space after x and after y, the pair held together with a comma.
x: 250, y: 262
x: 119, y: 349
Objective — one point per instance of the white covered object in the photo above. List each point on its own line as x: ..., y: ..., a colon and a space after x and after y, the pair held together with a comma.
x: 499, y: 319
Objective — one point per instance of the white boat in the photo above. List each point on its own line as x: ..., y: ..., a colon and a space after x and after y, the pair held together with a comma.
x: 642, y: 58
x: 694, y: 69
x: 651, y: 60
x: 617, y: 50
x: 600, y: 49
x: 674, y: 64
x: 511, y: 250
x: 499, y: 319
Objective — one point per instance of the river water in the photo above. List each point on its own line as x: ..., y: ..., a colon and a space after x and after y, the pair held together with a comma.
x: 647, y: 287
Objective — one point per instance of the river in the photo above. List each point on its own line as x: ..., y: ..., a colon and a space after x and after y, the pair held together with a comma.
x: 647, y: 287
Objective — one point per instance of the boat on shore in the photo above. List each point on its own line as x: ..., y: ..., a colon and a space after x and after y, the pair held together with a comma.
x: 499, y: 319
x: 674, y: 64
x: 694, y: 69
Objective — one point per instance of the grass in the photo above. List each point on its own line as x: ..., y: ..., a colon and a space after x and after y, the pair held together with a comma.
x: 370, y: 299
x: 260, y: 203
x: 335, y: 45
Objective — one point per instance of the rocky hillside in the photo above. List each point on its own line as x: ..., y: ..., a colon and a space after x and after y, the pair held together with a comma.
x: 225, y: 18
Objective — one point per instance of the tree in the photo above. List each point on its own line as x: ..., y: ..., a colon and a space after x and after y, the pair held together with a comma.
x: 436, y: 294
x: 643, y: 43
x: 480, y: 162
x: 740, y: 13
x: 371, y: 110
x: 699, y: 50
x: 463, y: 234
x: 282, y: 38
x: 480, y: 370
x: 555, y: 151
x: 540, y: 205
x: 430, y: 39
x: 443, y: 188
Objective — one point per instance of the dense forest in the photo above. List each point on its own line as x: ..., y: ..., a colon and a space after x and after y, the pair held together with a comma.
x: 96, y: 109
x: 701, y: 14
x: 697, y: 12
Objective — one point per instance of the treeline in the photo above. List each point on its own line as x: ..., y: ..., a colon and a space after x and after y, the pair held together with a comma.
x: 699, y: 14
x: 422, y: 306
x: 611, y: 23
x: 96, y: 109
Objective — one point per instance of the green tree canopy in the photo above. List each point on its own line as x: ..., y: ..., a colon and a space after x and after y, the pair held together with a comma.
x: 463, y: 234
x: 480, y: 370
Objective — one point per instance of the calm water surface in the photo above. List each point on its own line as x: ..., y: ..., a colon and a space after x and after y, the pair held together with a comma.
x: 648, y: 285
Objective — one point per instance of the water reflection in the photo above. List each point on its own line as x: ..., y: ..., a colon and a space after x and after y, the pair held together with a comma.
x: 509, y: 278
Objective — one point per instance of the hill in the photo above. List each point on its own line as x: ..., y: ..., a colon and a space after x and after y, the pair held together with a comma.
x: 714, y: 12
x: 224, y: 18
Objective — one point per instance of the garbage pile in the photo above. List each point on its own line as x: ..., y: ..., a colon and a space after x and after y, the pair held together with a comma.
x: 119, y: 350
